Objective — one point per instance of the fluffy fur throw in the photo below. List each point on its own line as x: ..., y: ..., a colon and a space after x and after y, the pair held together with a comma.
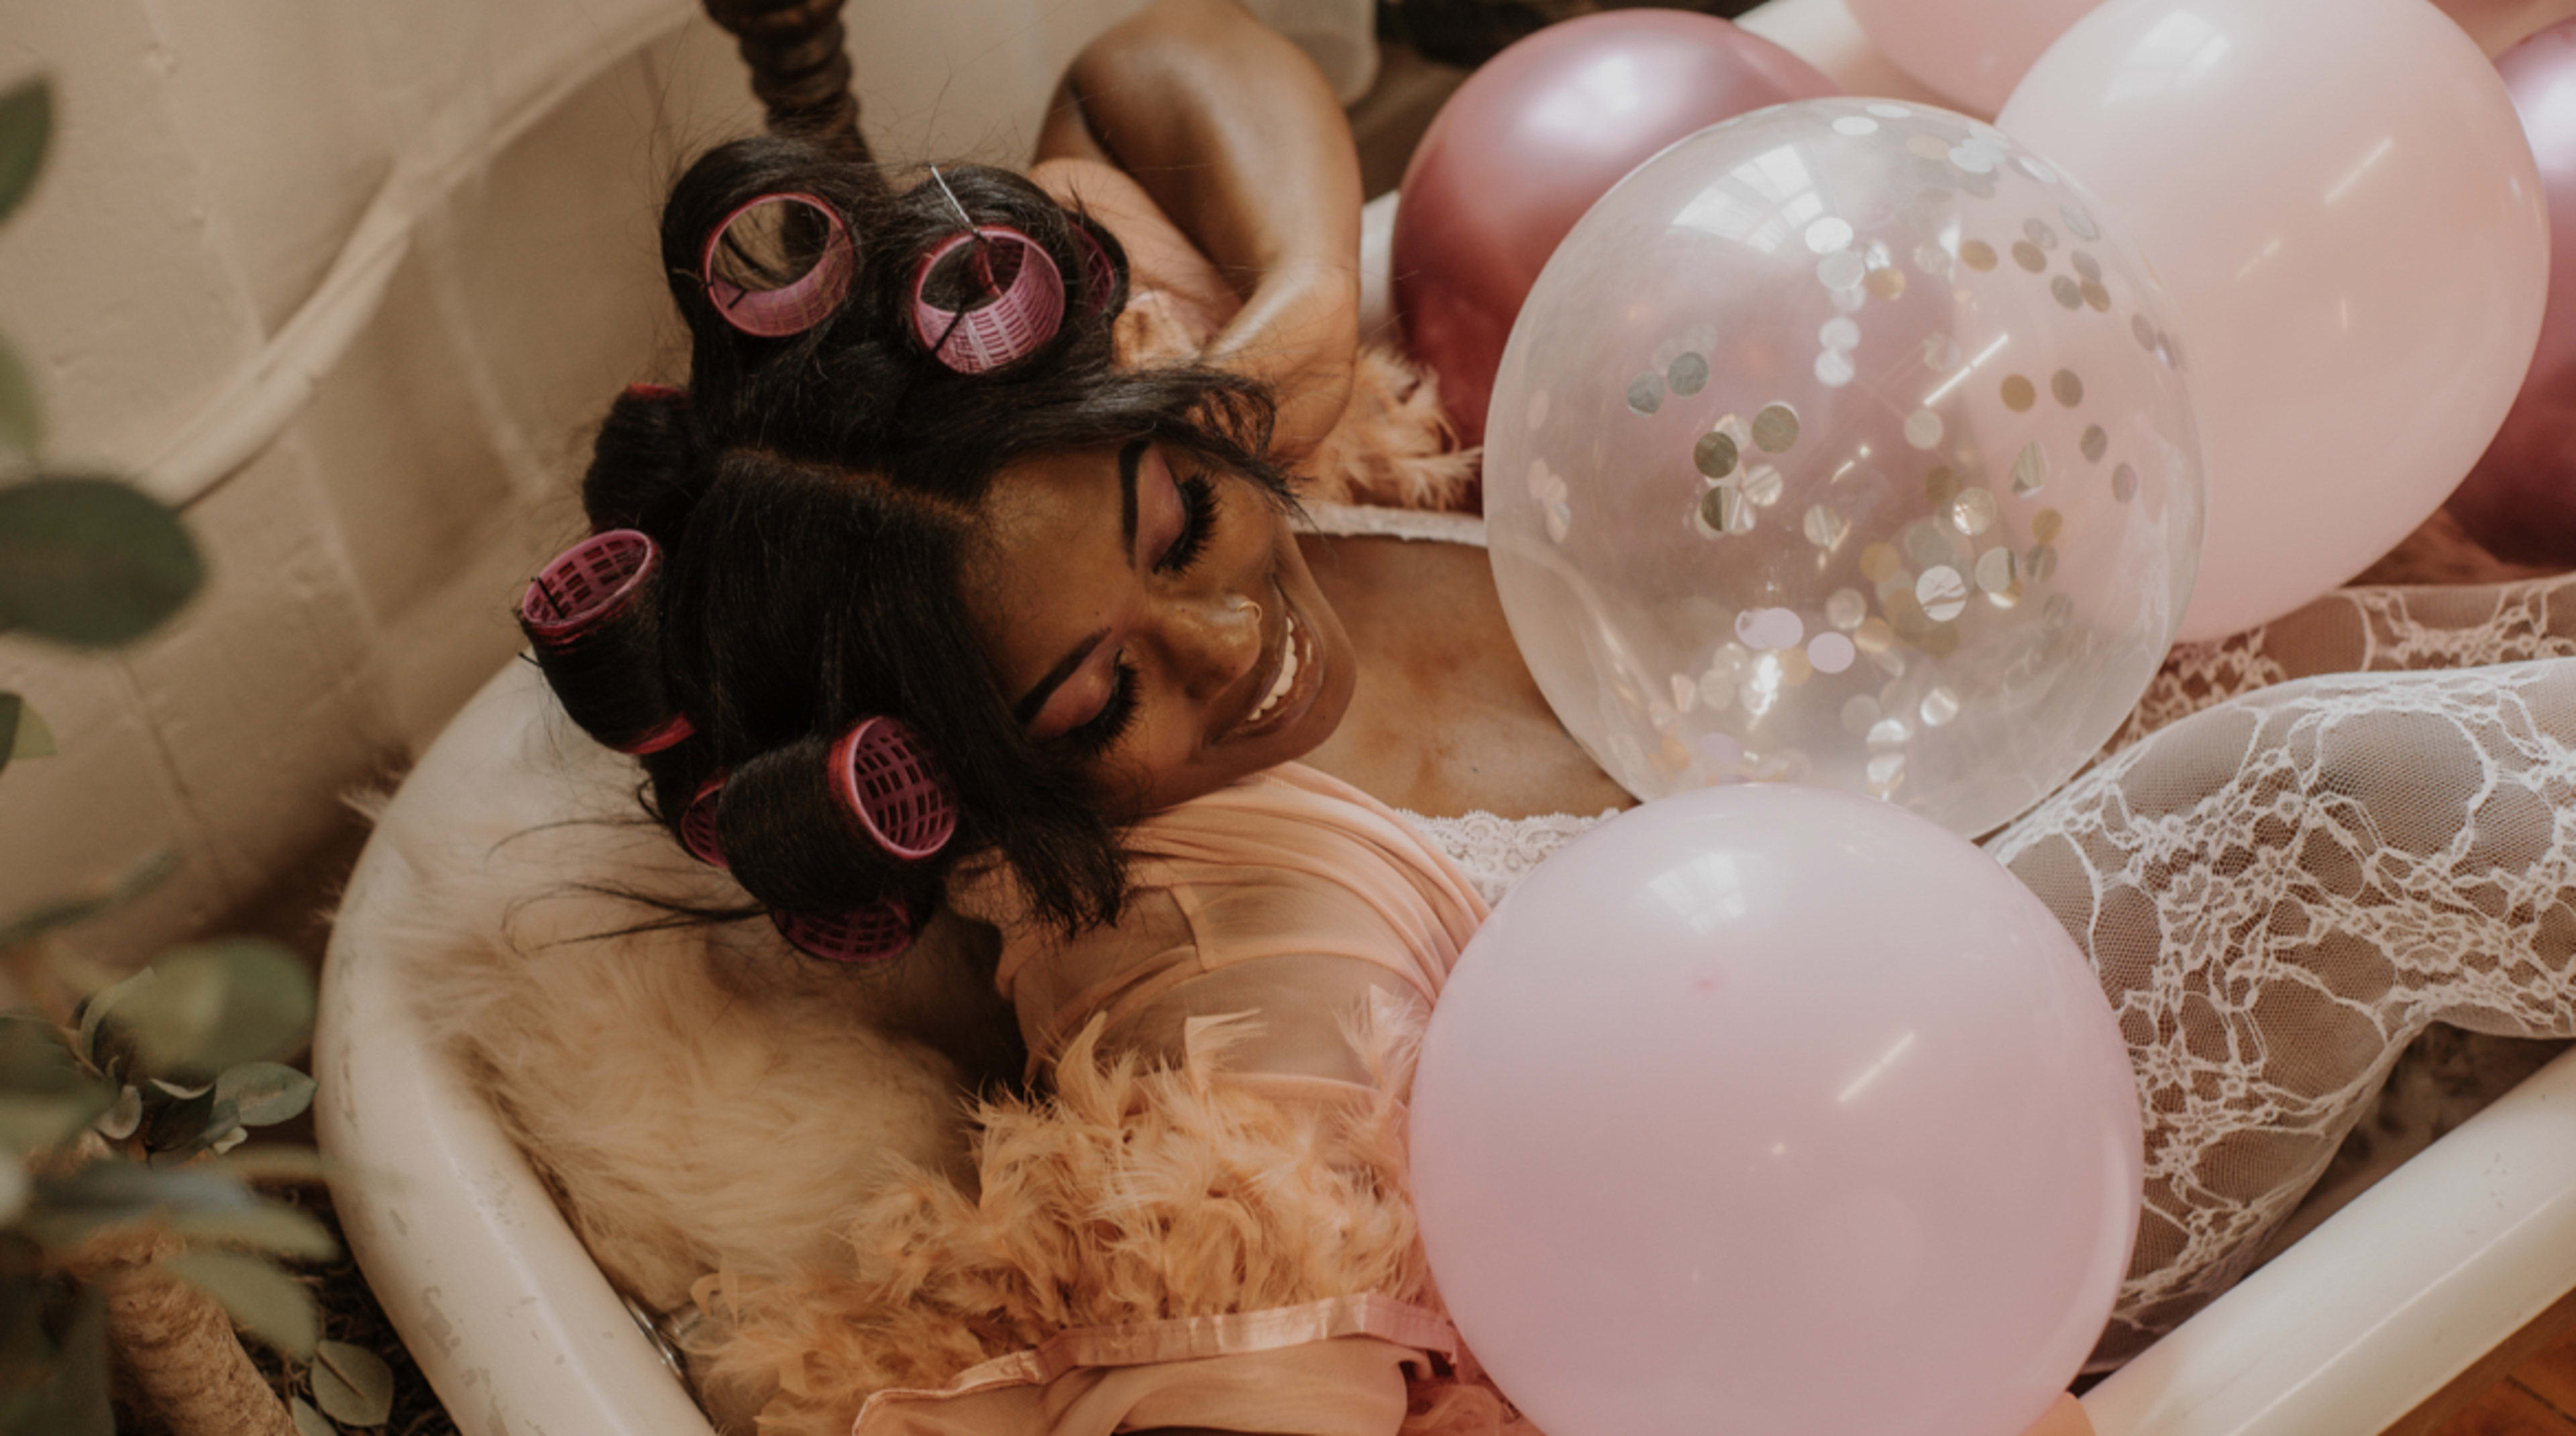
x: 697, y: 1096
x: 1129, y: 1195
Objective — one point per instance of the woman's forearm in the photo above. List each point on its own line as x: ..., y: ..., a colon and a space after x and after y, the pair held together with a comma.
x: 1237, y: 137
x: 1231, y: 129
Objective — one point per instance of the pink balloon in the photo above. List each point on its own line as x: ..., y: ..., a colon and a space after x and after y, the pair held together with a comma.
x: 1529, y: 142
x: 1973, y: 51
x: 2520, y: 501
x: 1776, y: 1109
x: 2338, y: 196
x: 2499, y: 25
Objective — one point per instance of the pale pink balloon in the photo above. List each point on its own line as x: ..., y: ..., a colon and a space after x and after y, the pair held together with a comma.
x: 1775, y: 1109
x: 2338, y: 195
x: 2499, y: 25
x: 1973, y: 51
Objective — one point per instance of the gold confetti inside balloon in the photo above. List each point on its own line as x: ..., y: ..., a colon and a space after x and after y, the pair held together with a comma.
x: 1845, y: 443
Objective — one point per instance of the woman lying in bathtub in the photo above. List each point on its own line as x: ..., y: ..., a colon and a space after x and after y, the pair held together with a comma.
x: 1237, y: 789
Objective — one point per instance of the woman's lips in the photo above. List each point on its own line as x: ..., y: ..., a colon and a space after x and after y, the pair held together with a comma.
x: 1293, y: 684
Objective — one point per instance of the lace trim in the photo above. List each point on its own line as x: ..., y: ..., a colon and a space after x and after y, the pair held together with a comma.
x: 1414, y: 525
x: 1496, y: 852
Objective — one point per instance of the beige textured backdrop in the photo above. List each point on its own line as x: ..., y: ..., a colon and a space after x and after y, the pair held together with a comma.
x: 350, y: 281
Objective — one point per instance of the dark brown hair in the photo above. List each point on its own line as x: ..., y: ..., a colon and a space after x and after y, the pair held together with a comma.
x: 815, y: 499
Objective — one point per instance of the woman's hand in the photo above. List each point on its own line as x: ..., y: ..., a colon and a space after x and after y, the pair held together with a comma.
x: 1237, y: 136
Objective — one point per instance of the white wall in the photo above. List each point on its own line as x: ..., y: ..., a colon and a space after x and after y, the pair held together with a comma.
x: 350, y: 280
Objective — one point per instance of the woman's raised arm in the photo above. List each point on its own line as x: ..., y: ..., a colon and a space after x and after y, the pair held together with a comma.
x: 1238, y: 138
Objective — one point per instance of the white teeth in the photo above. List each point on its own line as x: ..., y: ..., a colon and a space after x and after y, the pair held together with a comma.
x: 1287, y: 678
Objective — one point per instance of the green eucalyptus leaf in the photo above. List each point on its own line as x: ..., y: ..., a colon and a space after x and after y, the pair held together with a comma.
x: 124, y: 1117
x: 219, y: 1130
x: 26, y: 126
x: 33, y: 737
x: 45, y: 1097
x: 309, y: 1422
x: 39, y: 1123
x: 173, y: 1123
x: 58, y: 1389
x: 22, y: 414
x: 81, y: 1369
x: 353, y: 1384
x: 264, y: 1301
x: 265, y: 1093
x: 118, y: 1193
x: 218, y: 1005
x: 23, y: 733
x: 270, y: 1227
x: 280, y: 1164
x: 16, y: 1188
x: 92, y: 562
x: 95, y: 1007
x: 129, y: 885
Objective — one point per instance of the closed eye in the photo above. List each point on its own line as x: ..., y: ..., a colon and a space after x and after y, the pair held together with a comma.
x: 1198, y: 521
x: 1102, y: 731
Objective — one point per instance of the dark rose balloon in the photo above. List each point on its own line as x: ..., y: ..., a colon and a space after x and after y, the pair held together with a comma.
x: 2520, y: 501
x: 1525, y: 147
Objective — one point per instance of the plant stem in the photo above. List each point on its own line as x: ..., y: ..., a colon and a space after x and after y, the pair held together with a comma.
x: 178, y: 1349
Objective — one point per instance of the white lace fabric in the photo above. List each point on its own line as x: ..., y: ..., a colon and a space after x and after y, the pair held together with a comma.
x: 1497, y: 852
x: 2310, y: 842
x: 2320, y: 838
x: 1414, y: 525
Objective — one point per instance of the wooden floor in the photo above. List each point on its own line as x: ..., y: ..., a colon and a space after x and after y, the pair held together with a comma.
x: 2537, y: 1399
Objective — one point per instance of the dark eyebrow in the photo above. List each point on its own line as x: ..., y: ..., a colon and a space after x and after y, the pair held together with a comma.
x: 1027, y: 711
x: 1128, y: 460
x: 1036, y: 698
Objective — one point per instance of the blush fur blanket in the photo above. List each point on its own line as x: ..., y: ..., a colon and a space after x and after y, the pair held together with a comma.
x: 783, y: 1158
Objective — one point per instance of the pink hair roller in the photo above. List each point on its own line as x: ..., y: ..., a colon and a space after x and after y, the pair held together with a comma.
x: 669, y: 735
x: 874, y: 933
x: 698, y: 831
x: 798, y: 305
x: 586, y: 587
x: 883, y: 776
x: 1007, y: 328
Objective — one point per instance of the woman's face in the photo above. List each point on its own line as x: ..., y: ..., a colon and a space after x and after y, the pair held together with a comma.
x: 1151, y: 615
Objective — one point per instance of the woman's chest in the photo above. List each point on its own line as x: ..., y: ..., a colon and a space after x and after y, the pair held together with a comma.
x: 1446, y: 719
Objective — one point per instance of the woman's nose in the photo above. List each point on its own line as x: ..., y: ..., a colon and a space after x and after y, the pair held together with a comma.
x: 1213, y: 642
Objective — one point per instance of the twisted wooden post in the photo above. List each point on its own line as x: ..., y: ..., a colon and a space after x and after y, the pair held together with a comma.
x: 798, y: 67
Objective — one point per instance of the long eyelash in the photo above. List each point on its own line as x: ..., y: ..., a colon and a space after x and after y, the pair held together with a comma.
x: 1108, y: 726
x: 1198, y: 507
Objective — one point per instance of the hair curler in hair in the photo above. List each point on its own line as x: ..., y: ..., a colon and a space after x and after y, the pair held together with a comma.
x: 596, y: 641
x: 824, y: 824
x: 885, y: 778
x: 794, y: 305
x: 698, y: 832
x: 874, y: 933
x: 1022, y: 308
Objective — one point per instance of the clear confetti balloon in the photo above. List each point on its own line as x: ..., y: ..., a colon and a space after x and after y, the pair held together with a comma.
x: 1844, y: 443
